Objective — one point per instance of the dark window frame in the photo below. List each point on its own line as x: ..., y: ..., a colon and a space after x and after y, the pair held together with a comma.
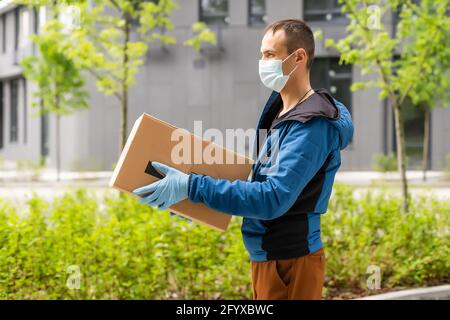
x: 414, y: 163
x: 251, y: 14
x: 36, y: 20
x: 14, y: 110
x: 338, y: 76
x: 319, y: 15
x: 16, y: 27
x: 25, y: 109
x: 135, y: 21
x: 323, y: 74
x: 2, y: 108
x: 214, y: 19
x: 395, y: 14
x: 44, y: 130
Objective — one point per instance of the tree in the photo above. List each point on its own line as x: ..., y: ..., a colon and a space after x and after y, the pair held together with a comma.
x: 60, y: 86
x: 370, y: 45
x: 106, y: 47
x: 102, y: 42
x: 433, y: 88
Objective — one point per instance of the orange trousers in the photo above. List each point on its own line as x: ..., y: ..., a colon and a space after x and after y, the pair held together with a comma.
x: 289, y: 279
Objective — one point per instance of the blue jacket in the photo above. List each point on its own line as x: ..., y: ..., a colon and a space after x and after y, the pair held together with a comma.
x: 291, y: 181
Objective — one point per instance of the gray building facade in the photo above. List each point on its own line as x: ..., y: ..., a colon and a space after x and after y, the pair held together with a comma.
x: 220, y: 87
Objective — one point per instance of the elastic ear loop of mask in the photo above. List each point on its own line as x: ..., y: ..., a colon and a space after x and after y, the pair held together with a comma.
x: 295, y: 65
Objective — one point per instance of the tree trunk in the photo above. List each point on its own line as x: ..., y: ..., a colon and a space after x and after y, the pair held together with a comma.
x: 54, y: 14
x: 58, y: 147
x: 426, y: 141
x: 123, y: 121
x: 124, y: 106
x: 401, y: 155
x: 124, y: 102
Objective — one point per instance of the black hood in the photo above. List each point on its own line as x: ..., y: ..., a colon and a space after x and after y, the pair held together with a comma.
x: 320, y: 103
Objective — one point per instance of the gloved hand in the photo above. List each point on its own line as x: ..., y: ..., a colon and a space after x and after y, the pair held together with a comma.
x: 181, y: 217
x: 166, y: 192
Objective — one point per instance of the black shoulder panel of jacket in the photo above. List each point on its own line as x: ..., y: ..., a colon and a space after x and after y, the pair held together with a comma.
x: 319, y: 104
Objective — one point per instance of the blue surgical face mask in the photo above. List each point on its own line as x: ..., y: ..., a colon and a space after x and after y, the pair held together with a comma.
x: 271, y: 73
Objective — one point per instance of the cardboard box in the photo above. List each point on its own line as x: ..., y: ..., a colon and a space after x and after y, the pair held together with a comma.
x: 154, y: 140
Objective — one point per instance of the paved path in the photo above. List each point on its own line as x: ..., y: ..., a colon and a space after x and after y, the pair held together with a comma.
x: 20, y: 185
x: 430, y: 293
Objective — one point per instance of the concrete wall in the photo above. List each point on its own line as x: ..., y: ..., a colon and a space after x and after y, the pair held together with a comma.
x: 28, y: 143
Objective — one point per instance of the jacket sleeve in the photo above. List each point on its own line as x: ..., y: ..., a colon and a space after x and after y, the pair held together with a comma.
x: 301, y: 153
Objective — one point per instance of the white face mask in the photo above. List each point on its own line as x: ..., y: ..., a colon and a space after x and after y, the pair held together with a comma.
x: 271, y: 73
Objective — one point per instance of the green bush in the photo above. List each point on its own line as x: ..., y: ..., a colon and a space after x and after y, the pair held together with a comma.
x: 386, y: 163
x: 411, y: 249
x: 125, y: 250
x: 35, y: 168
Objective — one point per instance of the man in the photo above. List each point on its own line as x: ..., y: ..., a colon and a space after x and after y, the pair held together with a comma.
x: 289, y: 189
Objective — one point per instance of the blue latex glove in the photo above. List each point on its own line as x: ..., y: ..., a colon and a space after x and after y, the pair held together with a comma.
x: 166, y: 192
x: 181, y: 217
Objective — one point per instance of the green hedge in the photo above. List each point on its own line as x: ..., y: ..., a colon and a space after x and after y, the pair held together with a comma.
x: 410, y: 249
x: 125, y: 250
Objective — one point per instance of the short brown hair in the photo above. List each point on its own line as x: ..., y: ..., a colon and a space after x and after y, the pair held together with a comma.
x: 298, y: 35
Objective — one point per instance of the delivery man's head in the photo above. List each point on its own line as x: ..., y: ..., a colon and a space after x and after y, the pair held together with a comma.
x: 287, y: 53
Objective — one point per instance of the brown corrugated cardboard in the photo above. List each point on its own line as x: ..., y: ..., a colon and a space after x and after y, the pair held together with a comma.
x: 152, y: 139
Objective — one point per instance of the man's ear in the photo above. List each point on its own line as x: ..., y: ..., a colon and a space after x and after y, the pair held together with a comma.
x: 301, y: 56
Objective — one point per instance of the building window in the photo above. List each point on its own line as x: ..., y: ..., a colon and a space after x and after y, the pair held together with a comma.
x: 16, y: 27
x: 337, y: 79
x: 44, y: 130
x: 257, y: 12
x: 25, y: 109
x: 322, y: 10
x: 35, y: 20
x: 13, y: 133
x: 214, y: 12
x: 414, y: 119
x: 137, y: 6
x: 3, y: 18
x: 1, y: 114
x: 398, y: 9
